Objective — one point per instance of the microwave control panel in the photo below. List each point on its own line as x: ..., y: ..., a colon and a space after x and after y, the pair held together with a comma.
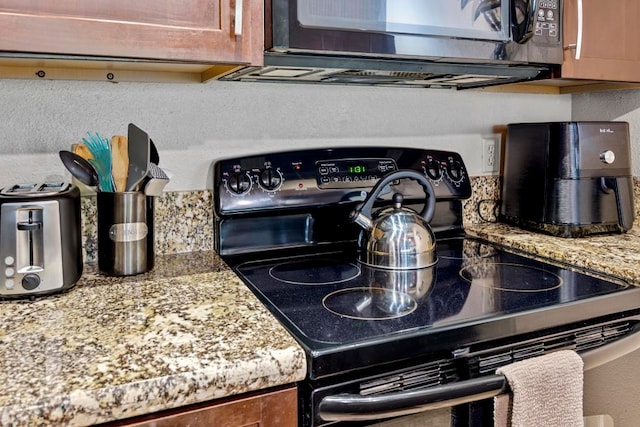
x: 547, y: 21
x: 320, y: 177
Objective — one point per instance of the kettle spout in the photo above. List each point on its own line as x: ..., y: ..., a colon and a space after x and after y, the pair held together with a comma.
x: 361, y: 219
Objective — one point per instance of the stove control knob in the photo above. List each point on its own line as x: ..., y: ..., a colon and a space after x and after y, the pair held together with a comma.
x: 608, y: 157
x: 433, y: 169
x: 270, y: 179
x: 239, y: 183
x: 454, y: 170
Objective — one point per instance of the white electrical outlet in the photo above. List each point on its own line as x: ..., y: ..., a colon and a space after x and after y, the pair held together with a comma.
x: 490, y: 153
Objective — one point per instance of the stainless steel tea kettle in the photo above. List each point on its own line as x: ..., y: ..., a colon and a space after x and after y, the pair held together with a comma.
x: 397, y: 237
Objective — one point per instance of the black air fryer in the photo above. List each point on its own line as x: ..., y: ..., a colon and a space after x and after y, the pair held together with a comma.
x: 568, y: 179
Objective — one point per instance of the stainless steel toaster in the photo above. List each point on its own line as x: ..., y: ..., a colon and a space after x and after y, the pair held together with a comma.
x: 40, y: 238
x: 569, y: 179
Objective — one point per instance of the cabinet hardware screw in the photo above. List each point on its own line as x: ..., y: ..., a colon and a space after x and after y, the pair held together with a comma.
x: 40, y: 73
x: 110, y: 76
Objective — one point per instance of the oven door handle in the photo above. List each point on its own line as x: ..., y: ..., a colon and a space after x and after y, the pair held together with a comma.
x: 355, y: 407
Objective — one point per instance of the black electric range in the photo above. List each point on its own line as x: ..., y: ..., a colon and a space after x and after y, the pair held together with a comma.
x: 347, y: 316
x: 281, y: 223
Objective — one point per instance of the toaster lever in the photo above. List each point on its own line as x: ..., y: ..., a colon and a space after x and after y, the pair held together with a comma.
x: 29, y: 226
x: 30, y: 239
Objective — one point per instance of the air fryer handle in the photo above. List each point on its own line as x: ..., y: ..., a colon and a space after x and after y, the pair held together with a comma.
x: 624, y: 199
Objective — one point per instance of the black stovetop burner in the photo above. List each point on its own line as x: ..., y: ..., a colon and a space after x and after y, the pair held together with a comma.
x: 340, y: 310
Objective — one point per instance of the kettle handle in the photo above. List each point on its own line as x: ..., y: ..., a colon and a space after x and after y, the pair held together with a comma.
x: 429, y: 206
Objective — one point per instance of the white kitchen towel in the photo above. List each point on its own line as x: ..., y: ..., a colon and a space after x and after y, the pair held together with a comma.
x: 545, y: 391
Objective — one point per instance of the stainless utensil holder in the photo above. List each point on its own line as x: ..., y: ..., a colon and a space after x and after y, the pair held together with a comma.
x: 125, y: 233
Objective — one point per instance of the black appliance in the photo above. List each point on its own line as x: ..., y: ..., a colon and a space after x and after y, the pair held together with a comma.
x: 568, y: 179
x: 385, y: 343
x: 417, y: 43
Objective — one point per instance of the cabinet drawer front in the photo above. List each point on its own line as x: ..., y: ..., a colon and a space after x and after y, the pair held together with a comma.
x: 179, y: 30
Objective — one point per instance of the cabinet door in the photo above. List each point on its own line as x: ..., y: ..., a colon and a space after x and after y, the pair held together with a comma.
x: 272, y: 409
x: 220, y: 31
x: 610, y: 48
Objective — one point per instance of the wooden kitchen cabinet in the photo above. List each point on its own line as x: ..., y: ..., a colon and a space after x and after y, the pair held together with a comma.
x: 610, y: 49
x: 272, y: 409
x: 135, y: 32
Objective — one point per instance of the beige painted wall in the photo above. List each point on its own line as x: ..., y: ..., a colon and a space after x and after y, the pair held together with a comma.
x: 193, y: 124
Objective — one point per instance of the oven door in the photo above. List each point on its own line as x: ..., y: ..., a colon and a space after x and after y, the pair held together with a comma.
x: 436, y: 384
x: 500, y: 31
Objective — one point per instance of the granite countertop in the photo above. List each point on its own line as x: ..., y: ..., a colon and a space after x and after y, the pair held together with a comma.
x: 614, y: 255
x: 111, y: 348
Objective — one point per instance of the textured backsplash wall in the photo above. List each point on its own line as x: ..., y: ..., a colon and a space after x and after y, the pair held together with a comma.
x: 193, y: 124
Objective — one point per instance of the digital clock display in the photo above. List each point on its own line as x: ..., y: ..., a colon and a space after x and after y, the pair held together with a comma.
x: 352, y: 173
x: 356, y: 169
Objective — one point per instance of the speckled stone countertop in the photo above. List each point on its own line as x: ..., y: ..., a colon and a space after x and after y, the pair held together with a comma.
x: 612, y: 256
x: 111, y: 348
x: 616, y: 255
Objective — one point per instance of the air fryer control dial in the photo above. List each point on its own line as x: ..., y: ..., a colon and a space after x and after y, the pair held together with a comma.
x: 608, y: 157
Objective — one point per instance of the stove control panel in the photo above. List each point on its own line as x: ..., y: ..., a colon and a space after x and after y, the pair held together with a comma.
x: 322, y: 177
x: 352, y: 173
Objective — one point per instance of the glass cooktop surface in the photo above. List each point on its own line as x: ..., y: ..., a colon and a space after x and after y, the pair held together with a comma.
x: 330, y: 299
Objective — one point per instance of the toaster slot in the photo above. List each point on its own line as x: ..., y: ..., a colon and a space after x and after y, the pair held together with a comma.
x: 29, y: 240
x: 36, y: 189
x: 48, y: 187
x: 20, y: 189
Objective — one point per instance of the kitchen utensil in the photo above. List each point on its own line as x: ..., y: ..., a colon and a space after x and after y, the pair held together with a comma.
x: 396, y: 237
x: 120, y: 162
x: 139, y: 156
x: 82, y: 150
x: 155, y: 182
x: 154, y: 156
x: 80, y: 168
x: 40, y: 238
x: 101, y: 150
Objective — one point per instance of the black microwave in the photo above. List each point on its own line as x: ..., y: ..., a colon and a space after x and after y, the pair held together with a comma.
x: 480, y: 30
x: 423, y: 42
